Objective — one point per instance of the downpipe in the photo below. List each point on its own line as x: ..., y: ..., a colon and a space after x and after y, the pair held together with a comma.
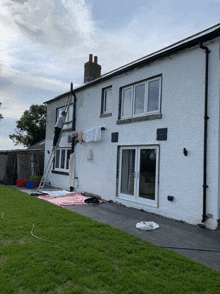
x: 73, y: 124
x: 207, y: 51
x: 74, y: 118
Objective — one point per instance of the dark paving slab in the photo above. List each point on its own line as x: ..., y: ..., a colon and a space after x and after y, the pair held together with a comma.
x: 170, y: 234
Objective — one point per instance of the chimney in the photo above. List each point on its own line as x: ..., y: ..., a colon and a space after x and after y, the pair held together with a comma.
x: 92, y: 70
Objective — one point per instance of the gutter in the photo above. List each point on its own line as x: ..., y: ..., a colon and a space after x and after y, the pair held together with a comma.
x: 207, y: 51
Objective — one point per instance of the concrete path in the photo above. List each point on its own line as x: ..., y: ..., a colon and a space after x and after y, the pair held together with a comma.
x: 170, y: 234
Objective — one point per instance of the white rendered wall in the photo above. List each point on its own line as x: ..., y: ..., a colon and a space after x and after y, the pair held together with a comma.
x: 183, y: 90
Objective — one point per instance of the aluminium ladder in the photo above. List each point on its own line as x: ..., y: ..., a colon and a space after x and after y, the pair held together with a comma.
x: 53, y: 152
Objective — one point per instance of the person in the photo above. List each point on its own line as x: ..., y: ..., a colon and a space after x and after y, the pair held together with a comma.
x: 58, y: 127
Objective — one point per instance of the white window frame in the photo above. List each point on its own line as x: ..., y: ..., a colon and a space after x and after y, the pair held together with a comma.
x: 135, y: 198
x: 105, y: 103
x: 69, y: 115
x: 146, y: 100
x: 65, y: 169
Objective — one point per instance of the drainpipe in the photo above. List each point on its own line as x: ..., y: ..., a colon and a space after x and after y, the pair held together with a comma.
x: 207, y: 51
x: 74, y: 117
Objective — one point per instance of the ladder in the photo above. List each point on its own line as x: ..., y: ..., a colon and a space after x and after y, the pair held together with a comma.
x: 53, y: 152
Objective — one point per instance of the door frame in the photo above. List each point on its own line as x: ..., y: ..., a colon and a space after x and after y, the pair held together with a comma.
x: 136, y: 197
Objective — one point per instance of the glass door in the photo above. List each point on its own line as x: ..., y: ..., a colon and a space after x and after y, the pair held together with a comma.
x: 127, y: 172
x: 138, y: 174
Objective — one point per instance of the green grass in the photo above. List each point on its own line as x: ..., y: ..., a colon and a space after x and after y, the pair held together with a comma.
x: 86, y: 256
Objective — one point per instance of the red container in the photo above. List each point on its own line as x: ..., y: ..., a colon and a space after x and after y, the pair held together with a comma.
x: 21, y: 183
x: 36, y: 183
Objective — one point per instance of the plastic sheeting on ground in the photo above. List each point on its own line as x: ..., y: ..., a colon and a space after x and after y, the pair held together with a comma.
x: 74, y: 199
x: 147, y: 226
x: 58, y: 193
x: 69, y: 200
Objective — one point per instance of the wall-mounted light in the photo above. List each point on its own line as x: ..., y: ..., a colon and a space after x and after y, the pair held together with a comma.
x: 185, y: 151
x: 170, y: 198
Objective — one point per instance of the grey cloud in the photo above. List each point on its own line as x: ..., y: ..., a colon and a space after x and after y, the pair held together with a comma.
x: 20, y: 1
x: 32, y: 32
x: 48, y: 23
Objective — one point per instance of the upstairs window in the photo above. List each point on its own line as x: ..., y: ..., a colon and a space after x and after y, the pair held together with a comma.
x: 141, y: 99
x: 106, y: 105
x: 69, y: 115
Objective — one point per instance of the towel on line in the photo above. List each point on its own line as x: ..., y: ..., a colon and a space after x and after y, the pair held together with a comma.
x: 88, y: 135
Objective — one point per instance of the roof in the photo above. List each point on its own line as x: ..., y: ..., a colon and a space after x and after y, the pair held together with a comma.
x: 194, y: 40
x: 38, y: 146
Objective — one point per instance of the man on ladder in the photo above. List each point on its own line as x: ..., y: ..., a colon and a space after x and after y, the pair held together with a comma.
x: 59, y: 125
x: 58, y: 130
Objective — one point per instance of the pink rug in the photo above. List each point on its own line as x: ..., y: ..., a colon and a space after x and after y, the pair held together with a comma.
x: 73, y: 199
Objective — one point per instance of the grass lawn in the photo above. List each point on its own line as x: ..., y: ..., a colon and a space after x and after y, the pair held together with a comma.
x: 86, y: 256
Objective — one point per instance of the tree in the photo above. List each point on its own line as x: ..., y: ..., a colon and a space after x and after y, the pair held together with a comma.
x: 31, y: 127
x: 0, y: 113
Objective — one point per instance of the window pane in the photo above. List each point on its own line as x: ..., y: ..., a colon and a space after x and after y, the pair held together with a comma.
x: 127, y: 171
x: 153, y: 95
x: 107, y: 103
x: 62, y: 158
x: 57, y: 158
x: 67, y: 159
x: 147, y: 173
x: 126, y: 102
x: 139, y: 99
x: 70, y: 114
x: 59, y: 110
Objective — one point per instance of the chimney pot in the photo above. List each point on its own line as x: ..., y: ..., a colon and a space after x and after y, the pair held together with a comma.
x: 95, y: 59
x: 90, y: 57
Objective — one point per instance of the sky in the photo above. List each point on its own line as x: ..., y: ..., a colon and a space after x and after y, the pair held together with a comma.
x: 44, y: 44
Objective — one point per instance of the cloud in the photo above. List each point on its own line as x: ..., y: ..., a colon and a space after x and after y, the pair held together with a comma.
x: 7, y: 144
x: 57, y: 24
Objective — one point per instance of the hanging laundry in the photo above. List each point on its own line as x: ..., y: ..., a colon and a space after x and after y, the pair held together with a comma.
x: 92, y: 135
x: 79, y: 135
x: 88, y: 135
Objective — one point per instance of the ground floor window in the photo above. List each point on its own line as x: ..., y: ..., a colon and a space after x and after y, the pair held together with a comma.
x: 61, y: 161
x: 138, y: 174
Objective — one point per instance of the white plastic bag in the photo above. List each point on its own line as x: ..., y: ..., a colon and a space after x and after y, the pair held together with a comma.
x: 147, y: 226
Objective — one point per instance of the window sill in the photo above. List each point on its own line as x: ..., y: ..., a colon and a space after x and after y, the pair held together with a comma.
x: 67, y: 130
x: 105, y: 115
x: 137, y: 119
x: 60, y: 173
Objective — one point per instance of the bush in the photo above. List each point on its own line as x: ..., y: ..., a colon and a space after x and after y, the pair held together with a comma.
x: 35, y: 178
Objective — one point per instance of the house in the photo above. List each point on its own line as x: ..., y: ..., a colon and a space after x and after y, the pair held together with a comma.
x: 21, y: 163
x: 159, y: 120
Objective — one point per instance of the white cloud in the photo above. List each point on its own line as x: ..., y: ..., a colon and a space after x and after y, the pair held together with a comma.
x: 7, y: 144
x: 57, y: 24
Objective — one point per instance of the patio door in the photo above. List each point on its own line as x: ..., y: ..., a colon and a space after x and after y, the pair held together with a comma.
x: 138, y: 174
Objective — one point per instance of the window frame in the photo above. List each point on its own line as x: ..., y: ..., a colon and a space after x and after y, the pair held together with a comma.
x: 105, y: 112
x: 69, y: 115
x: 136, y: 197
x: 133, y: 86
x: 66, y: 164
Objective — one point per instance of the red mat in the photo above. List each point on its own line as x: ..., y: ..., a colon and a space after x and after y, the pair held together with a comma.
x: 73, y: 199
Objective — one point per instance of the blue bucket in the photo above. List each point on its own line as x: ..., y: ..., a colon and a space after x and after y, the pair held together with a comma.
x: 30, y: 184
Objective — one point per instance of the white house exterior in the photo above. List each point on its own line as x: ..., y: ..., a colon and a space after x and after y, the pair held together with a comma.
x: 153, y: 153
